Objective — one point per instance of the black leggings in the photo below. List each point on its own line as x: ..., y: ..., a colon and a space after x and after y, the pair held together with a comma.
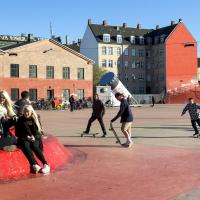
x: 195, y: 126
x: 29, y: 147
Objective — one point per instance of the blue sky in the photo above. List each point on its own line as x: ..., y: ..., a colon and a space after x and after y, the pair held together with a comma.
x: 70, y: 17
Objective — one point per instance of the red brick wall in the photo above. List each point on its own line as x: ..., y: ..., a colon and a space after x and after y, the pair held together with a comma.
x: 42, y: 85
x: 181, y: 61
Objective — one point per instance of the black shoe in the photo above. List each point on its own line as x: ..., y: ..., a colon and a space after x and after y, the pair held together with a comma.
x: 86, y: 132
x: 104, y: 135
x: 195, y: 135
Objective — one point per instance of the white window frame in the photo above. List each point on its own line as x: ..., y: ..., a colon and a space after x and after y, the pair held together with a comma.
x: 126, y: 51
x: 125, y: 63
x: 141, y: 39
x: 133, y: 52
x: 119, y: 51
x: 104, y: 63
x: 132, y: 39
x: 119, y: 38
x: 110, y: 50
x: 104, y: 50
x: 110, y: 63
x: 106, y: 37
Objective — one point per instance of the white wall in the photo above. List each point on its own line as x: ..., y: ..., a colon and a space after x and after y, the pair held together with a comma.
x: 89, y: 46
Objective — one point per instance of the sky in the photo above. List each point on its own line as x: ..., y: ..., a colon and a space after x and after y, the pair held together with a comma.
x: 70, y: 17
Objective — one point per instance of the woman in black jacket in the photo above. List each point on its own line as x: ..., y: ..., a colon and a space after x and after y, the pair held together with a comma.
x: 29, y: 133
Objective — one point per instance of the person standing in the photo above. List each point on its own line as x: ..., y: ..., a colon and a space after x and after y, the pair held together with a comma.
x: 153, y: 101
x: 98, y: 111
x: 192, y: 108
x: 22, y: 102
x: 72, y: 102
x: 126, y: 118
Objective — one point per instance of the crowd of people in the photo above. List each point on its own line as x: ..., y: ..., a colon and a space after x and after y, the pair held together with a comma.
x: 28, y: 129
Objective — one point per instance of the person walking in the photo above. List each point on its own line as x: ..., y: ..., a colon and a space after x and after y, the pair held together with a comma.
x: 153, y: 101
x: 29, y: 133
x: 126, y: 118
x: 98, y: 111
x: 192, y: 108
x: 72, y: 102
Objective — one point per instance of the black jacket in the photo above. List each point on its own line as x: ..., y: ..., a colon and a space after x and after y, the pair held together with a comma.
x: 19, y: 105
x: 125, y: 112
x: 26, y: 127
x: 98, y: 108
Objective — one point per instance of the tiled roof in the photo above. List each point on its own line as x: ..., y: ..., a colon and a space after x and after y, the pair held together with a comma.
x: 75, y: 47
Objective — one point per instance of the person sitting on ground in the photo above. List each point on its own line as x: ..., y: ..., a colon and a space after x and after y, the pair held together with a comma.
x: 126, y: 118
x: 98, y: 111
x: 22, y: 102
x: 7, y: 119
x: 192, y: 107
x: 28, y: 131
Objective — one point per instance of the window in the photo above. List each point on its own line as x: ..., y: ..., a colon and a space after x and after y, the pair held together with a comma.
x: 14, y: 70
x: 32, y: 71
x: 149, y: 41
x: 161, y: 52
x: 148, y: 77
x: 126, y: 77
x: 141, y: 77
x: 80, y: 93
x: 162, y: 38
x: 141, y: 64
x: 14, y: 94
x: 50, y: 72
x: 106, y: 37
x: 133, y: 52
x: 119, y: 51
x: 133, y: 65
x: 156, y: 39
x: 133, y: 76
x: 66, y: 73
x: 104, y: 63
x: 119, y: 39
x: 33, y: 94
x: 110, y: 51
x: 132, y: 39
x: 125, y: 63
x: 66, y: 94
x: 141, y: 39
x: 126, y: 52
x: 147, y: 53
x: 103, y: 50
x: 118, y: 63
x: 141, y: 90
x: 141, y: 52
x: 110, y: 63
x: 80, y: 73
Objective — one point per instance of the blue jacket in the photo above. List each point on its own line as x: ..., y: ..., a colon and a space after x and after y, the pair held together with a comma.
x: 125, y: 112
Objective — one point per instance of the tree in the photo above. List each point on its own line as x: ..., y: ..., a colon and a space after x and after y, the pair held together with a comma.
x: 98, y: 72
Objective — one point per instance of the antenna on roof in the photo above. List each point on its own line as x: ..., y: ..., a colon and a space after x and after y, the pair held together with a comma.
x: 51, y: 30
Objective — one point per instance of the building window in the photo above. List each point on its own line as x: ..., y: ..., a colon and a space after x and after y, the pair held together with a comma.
x: 126, y: 77
x: 119, y: 51
x: 14, y: 70
x: 162, y: 38
x: 103, y: 50
x: 32, y: 71
x: 141, y: 64
x: 66, y: 94
x: 161, y: 52
x: 126, y: 52
x: 133, y: 65
x: 110, y: 51
x: 118, y: 63
x: 141, y: 77
x: 141, y: 90
x: 66, y: 73
x: 125, y: 64
x: 104, y: 63
x: 14, y: 94
x: 80, y: 73
x: 148, y: 53
x: 141, y: 40
x: 133, y: 76
x: 137, y: 64
x: 110, y: 63
x: 149, y: 41
x: 119, y: 39
x: 132, y: 39
x: 148, y: 77
x: 106, y: 37
x: 33, y: 94
x: 133, y: 52
x: 141, y: 52
x: 156, y: 39
x: 50, y: 72
x: 80, y: 93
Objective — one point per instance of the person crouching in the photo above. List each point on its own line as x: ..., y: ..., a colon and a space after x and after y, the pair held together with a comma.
x: 28, y: 131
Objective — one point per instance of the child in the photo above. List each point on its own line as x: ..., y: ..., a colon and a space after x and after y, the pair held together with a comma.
x: 28, y: 131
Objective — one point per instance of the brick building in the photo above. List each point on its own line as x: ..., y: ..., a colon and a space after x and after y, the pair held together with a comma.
x: 46, y: 69
x: 145, y: 60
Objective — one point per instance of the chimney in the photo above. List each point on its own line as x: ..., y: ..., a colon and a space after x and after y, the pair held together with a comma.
x: 73, y: 42
x: 79, y: 41
x: 138, y: 26
x: 117, y: 27
x: 89, y: 21
x: 180, y: 20
x: 125, y: 25
x: 66, y: 39
x: 105, y: 23
x: 172, y: 23
x: 30, y: 37
x: 157, y: 27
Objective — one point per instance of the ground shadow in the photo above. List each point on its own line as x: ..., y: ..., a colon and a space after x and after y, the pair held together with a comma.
x: 92, y: 145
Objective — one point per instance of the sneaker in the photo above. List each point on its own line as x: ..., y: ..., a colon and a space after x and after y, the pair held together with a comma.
x: 86, y: 132
x: 104, y: 135
x: 195, y: 135
x: 127, y: 144
x: 36, y: 168
x: 45, y: 169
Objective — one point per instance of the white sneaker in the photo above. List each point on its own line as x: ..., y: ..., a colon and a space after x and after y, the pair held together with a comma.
x: 45, y: 169
x: 36, y: 168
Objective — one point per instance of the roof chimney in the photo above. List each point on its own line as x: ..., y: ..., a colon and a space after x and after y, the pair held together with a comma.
x: 105, y: 23
x: 172, y: 23
x: 89, y: 21
x: 79, y: 41
x: 125, y: 25
x: 66, y: 39
x: 73, y: 42
x: 138, y: 26
x: 157, y: 27
x: 30, y: 37
x: 180, y: 20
